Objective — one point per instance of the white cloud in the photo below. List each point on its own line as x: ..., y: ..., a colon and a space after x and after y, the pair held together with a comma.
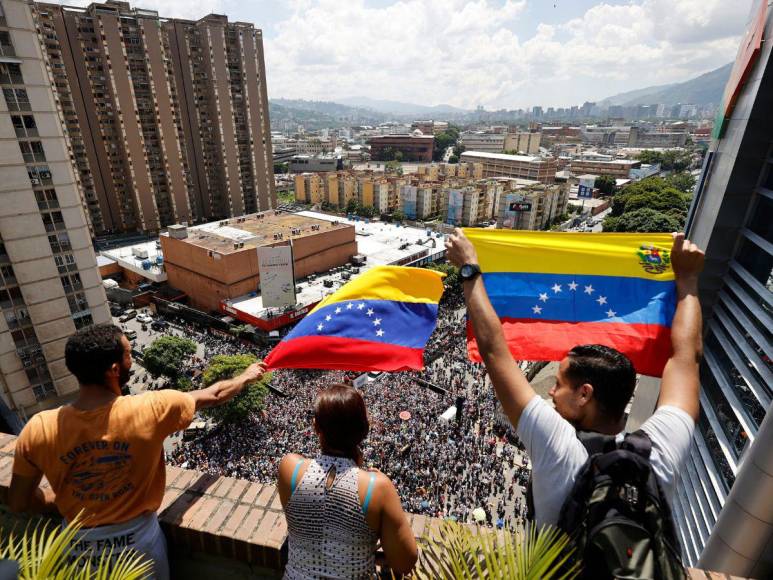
x: 467, y: 53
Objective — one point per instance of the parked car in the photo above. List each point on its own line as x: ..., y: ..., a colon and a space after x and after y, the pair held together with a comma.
x: 115, y: 310
x: 159, y: 325
x: 130, y: 334
x: 144, y: 318
x: 128, y: 315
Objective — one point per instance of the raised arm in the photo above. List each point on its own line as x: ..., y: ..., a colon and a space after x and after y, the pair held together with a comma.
x: 680, y: 385
x: 513, y: 390
x: 223, y: 391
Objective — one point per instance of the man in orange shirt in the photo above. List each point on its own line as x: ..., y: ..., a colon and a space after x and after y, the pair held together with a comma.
x: 103, y: 453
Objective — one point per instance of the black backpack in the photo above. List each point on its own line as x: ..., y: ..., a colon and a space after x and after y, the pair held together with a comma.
x: 618, y: 519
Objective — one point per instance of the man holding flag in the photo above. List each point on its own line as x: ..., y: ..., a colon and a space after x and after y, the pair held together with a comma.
x: 594, y: 382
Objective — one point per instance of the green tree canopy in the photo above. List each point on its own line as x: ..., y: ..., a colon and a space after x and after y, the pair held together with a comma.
x: 398, y: 215
x: 606, y: 184
x: 250, y: 400
x: 352, y: 205
x: 670, y: 160
x: 443, y: 141
x: 166, y: 356
x: 452, y: 282
x: 684, y: 182
x: 646, y: 220
x: 663, y: 200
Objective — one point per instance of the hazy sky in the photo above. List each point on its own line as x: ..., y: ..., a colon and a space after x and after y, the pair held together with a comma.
x: 495, y: 53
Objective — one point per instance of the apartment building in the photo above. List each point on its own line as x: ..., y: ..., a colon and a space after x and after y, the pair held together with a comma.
x: 542, y: 169
x: 184, y: 137
x: 523, y: 142
x: 49, y: 282
x: 482, y: 141
x: 530, y: 207
x: 309, y: 188
x: 617, y: 168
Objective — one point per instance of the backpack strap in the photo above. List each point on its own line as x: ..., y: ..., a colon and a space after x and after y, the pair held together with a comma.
x: 596, y: 443
x: 638, y: 442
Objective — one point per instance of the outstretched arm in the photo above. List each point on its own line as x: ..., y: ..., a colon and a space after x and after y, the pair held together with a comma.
x: 223, y: 391
x: 513, y: 390
x: 680, y: 385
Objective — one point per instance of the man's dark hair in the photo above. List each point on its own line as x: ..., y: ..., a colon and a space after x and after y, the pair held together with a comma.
x: 609, y: 371
x: 91, y: 351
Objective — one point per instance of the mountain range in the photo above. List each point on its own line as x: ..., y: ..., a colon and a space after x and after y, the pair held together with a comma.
x: 705, y: 89
x: 702, y: 90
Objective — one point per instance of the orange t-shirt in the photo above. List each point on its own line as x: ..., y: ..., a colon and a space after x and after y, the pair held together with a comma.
x: 107, y: 461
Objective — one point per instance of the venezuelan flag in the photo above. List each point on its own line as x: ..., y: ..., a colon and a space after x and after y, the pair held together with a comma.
x: 379, y: 321
x: 554, y: 290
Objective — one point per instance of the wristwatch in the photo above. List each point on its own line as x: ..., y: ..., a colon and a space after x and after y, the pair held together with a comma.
x: 469, y: 271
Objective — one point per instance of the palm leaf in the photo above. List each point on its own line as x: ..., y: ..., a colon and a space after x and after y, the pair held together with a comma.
x: 43, y: 553
x: 463, y: 553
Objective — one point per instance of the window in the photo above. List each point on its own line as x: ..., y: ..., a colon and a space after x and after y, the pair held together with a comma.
x: 32, y: 151
x: 60, y: 243
x: 17, y: 99
x: 24, y: 125
x: 46, y: 198
x: 6, y: 46
x: 39, y: 175
x: 10, y: 74
x: 53, y: 221
x: 44, y: 391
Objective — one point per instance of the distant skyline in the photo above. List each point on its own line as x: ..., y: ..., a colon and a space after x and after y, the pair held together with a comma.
x: 495, y: 53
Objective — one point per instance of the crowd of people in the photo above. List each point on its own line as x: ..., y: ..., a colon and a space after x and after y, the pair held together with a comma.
x: 444, y: 467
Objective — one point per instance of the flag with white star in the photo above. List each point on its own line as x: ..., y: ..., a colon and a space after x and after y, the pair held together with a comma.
x: 555, y: 290
x: 380, y: 321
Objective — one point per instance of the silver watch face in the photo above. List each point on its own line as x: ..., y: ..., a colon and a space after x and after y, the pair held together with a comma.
x: 467, y: 271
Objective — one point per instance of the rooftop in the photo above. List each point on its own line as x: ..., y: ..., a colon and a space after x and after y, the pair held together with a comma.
x: 257, y: 230
x: 503, y: 156
x: 144, y: 259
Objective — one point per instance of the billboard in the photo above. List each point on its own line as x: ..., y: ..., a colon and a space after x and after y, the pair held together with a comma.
x: 409, y: 201
x: 584, y: 191
x: 515, y: 206
x: 455, y: 204
x: 277, y: 279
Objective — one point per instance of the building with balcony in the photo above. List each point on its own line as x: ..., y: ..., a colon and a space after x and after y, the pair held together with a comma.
x: 49, y: 282
x: 541, y: 169
x: 183, y: 137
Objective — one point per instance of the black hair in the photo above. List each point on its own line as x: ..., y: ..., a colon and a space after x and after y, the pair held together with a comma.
x: 609, y: 371
x: 91, y: 351
x: 342, y: 419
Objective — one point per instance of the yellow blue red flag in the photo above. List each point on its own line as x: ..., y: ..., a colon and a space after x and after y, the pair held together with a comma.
x: 556, y: 290
x: 380, y: 321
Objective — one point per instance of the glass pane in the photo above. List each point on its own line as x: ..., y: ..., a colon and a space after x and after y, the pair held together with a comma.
x: 727, y: 420
x: 761, y: 221
x: 720, y: 461
x: 757, y: 261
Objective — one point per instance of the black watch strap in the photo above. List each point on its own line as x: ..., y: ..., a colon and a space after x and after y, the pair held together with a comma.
x: 469, y: 271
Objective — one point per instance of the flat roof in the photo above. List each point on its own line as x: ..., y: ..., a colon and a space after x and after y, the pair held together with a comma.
x: 380, y: 242
x: 254, y: 231
x: 607, y: 161
x: 502, y: 156
x: 401, y: 136
x: 126, y: 258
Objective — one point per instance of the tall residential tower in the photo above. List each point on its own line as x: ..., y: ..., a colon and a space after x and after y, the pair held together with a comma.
x: 49, y: 283
x: 183, y: 137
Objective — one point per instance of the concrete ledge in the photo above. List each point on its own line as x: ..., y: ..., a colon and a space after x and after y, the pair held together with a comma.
x: 226, y: 528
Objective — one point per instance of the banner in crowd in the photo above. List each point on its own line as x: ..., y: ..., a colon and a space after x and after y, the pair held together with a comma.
x: 380, y: 321
x: 556, y: 290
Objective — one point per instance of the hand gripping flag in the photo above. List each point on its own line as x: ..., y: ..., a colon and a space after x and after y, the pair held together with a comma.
x: 554, y: 290
x: 379, y: 321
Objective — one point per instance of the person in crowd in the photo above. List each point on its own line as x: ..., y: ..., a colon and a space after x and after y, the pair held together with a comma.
x: 103, y: 453
x: 337, y: 512
x: 593, y: 386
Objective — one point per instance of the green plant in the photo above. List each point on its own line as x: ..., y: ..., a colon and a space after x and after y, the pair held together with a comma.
x: 251, y: 398
x: 43, y: 552
x: 463, y: 552
x: 166, y: 355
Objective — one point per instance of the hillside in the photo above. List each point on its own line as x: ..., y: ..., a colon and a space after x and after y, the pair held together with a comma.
x: 400, y: 108
x: 702, y: 90
x: 318, y: 114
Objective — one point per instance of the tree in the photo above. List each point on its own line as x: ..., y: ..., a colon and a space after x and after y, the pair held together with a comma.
x: 606, y: 184
x: 453, y: 159
x: 647, y: 220
x: 452, y: 283
x: 670, y: 160
x: 166, y: 356
x: 251, y: 398
x: 663, y: 200
x: 458, y: 150
x: 443, y: 141
x: 281, y: 167
x: 366, y: 211
x: 398, y: 215
x: 394, y: 165
x: 352, y: 205
x: 684, y: 182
